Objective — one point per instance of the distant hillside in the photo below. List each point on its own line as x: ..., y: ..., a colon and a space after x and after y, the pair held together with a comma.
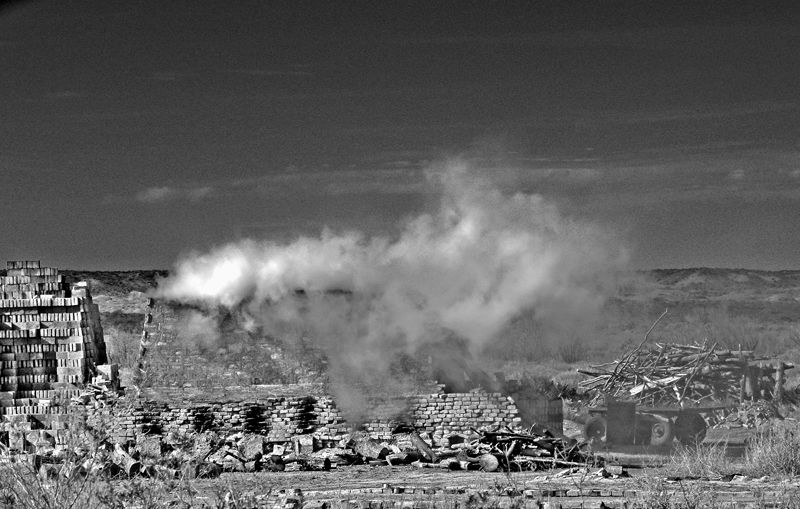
x: 121, y: 297
x: 729, y: 306
x: 121, y: 291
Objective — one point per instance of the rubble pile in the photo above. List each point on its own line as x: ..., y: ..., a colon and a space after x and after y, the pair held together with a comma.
x: 208, y: 454
x: 530, y: 450
x: 686, y: 376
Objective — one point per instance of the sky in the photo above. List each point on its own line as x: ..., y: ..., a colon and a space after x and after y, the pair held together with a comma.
x: 134, y: 132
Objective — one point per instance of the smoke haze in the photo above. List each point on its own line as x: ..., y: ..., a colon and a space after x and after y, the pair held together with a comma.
x: 467, y: 270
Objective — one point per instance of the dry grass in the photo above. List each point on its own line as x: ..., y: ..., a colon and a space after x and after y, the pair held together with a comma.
x: 775, y: 451
x: 700, y: 463
x: 655, y: 493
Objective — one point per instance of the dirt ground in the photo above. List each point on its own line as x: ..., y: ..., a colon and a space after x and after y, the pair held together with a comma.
x: 409, y: 486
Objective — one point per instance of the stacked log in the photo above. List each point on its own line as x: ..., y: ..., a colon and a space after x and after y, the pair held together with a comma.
x: 516, y: 450
x: 666, y: 374
x: 509, y: 450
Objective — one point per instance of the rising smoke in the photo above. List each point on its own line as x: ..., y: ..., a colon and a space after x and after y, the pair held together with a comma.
x: 466, y: 271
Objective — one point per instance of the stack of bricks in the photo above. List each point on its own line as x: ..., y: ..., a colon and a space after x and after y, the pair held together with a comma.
x: 50, y: 339
x: 444, y: 414
x: 384, y: 416
x: 282, y: 419
x: 331, y: 424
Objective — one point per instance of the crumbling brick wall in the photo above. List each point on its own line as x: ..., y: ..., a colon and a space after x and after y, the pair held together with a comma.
x: 283, y: 418
x: 169, y: 355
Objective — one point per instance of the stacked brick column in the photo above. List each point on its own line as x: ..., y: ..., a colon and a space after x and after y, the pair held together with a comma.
x: 50, y: 339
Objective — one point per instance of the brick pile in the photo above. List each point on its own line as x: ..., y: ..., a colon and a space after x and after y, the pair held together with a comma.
x: 284, y: 419
x: 50, y: 342
x: 445, y: 414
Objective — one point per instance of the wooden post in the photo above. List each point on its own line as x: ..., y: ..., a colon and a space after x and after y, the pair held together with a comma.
x: 758, y: 381
x: 779, y: 378
x: 743, y: 385
x: 422, y: 446
x: 752, y: 383
x: 489, y: 462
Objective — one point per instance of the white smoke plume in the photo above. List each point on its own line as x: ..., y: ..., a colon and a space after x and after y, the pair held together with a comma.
x: 467, y: 270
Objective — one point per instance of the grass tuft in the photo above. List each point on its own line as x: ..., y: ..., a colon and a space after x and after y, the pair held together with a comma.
x: 700, y: 462
x: 775, y: 451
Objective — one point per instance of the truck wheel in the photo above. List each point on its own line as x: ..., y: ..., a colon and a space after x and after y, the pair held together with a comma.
x: 690, y: 428
x: 595, y: 429
x: 661, y: 432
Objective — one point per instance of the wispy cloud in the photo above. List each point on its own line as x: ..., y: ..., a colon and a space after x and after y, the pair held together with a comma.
x: 175, y: 75
x: 155, y: 194
x: 269, y: 72
x: 167, y: 76
x: 659, y: 38
x: 737, y: 174
x: 406, y: 179
x: 160, y: 194
x: 703, y: 174
x: 701, y: 113
x: 64, y: 94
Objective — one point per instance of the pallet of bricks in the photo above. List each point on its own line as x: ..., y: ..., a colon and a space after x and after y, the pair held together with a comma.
x: 49, y: 331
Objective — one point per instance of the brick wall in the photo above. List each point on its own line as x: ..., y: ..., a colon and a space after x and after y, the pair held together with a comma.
x: 281, y: 418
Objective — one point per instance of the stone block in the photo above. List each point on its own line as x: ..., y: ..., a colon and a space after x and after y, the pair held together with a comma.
x: 149, y: 446
x: 252, y: 447
x: 303, y: 444
x: 201, y: 470
x: 16, y: 440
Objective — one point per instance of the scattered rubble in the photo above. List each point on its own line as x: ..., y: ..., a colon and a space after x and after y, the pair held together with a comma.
x: 208, y: 454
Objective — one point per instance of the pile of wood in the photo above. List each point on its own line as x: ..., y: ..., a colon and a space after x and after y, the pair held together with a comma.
x: 687, y: 376
x: 516, y: 450
x: 507, y: 450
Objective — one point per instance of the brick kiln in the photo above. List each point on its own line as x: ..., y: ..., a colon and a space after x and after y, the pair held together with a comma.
x: 180, y: 391
x: 51, y: 340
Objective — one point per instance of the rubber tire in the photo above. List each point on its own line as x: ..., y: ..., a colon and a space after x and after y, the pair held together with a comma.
x: 661, y: 432
x: 595, y: 429
x: 690, y: 428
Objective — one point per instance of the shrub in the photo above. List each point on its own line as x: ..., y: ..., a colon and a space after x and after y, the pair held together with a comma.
x: 774, y: 451
x: 733, y: 332
x: 572, y: 351
x: 700, y: 462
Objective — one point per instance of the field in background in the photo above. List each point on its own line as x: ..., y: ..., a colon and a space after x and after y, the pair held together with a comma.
x: 734, y: 308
